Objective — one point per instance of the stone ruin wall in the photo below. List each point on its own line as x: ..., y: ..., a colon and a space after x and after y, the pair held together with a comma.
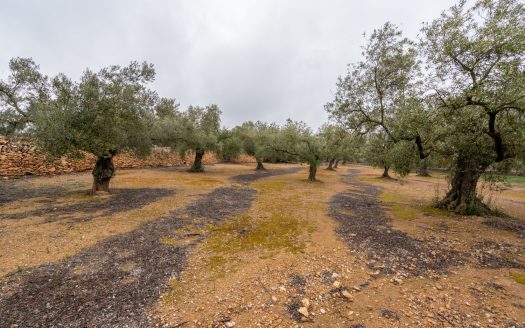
x: 22, y: 158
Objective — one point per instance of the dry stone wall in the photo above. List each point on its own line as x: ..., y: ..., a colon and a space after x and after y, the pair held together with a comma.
x: 22, y: 158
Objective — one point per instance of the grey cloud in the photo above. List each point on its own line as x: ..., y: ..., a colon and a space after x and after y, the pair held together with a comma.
x: 258, y: 60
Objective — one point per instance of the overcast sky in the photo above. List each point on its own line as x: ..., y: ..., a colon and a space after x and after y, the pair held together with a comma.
x: 257, y: 59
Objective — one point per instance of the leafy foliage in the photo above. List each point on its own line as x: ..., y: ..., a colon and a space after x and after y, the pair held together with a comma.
x: 102, y: 114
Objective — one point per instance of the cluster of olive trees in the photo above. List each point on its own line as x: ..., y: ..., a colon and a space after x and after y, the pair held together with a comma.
x: 103, y: 113
x: 456, y: 93
x: 113, y: 110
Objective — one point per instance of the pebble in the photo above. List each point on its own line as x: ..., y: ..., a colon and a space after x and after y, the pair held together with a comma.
x: 337, y: 284
x: 346, y: 294
x: 305, y: 302
x: 230, y: 324
x: 303, y: 311
x: 396, y: 281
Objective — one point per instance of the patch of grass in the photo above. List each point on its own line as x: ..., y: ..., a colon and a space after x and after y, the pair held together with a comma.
x: 519, y: 278
x: 168, y: 241
x: 434, y: 211
x: 247, y: 233
x: 396, y: 206
x: 516, y: 180
x: 273, y: 186
x: 84, y: 196
x: 403, y: 212
x: 391, y: 197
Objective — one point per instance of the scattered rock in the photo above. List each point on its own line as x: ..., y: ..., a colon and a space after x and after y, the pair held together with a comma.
x: 396, y: 281
x: 305, y: 302
x: 337, y: 284
x: 346, y: 294
x: 303, y: 311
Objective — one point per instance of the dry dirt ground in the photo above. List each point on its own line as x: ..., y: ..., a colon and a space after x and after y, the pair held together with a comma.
x: 236, y: 248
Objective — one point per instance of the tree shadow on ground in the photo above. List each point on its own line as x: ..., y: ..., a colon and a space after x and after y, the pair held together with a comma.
x: 116, y: 281
x: 251, y: 177
x: 119, y: 200
x: 366, y: 228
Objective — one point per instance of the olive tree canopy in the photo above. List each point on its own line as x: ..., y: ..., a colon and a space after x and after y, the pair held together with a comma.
x: 476, y: 64
x: 21, y: 93
x: 196, y: 129
x: 103, y: 114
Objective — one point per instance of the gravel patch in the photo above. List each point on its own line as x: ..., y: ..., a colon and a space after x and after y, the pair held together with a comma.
x: 365, y: 227
x: 116, y: 281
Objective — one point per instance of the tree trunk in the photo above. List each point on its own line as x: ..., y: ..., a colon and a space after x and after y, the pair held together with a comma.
x: 422, y: 170
x: 313, y: 172
x: 344, y: 162
x: 385, y: 172
x: 462, y: 197
x: 331, y: 164
x: 336, y: 164
x: 102, y: 174
x: 260, y: 165
x: 197, y: 163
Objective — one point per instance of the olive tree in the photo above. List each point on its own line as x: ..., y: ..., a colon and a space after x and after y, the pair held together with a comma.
x: 21, y: 93
x: 256, y: 140
x: 380, y: 89
x: 229, y: 145
x: 197, y: 129
x: 297, y: 140
x: 476, y: 58
x: 338, y: 144
x: 102, y: 114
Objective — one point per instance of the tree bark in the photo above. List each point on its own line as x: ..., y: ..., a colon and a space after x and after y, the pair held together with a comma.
x: 422, y: 170
x: 331, y: 164
x: 344, y: 162
x: 312, y: 172
x: 260, y: 165
x: 462, y: 197
x: 102, y: 174
x: 336, y: 164
x: 197, y: 163
x: 385, y: 172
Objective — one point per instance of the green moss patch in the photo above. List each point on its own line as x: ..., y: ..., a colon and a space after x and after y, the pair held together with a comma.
x: 519, y: 278
x: 247, y: 233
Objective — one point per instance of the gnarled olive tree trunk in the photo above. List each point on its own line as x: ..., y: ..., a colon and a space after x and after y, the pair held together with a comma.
x: 260, y: 165
x: 462, y: 197
x: 102, y: 174
x: 385, y: 172
x: 336, y: 164
x: 312, y: 172
x: 331, y: 164
x: 422, y: 170
x: 197, y: 163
